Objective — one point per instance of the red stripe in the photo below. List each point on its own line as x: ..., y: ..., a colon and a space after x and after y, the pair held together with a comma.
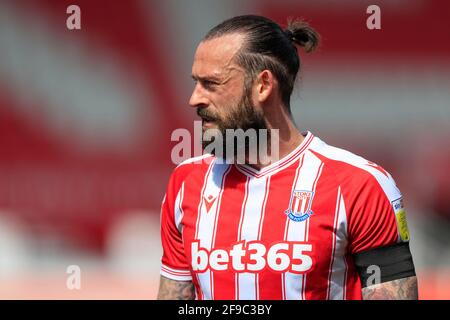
x: 201, y: 197
x: 352, y: 283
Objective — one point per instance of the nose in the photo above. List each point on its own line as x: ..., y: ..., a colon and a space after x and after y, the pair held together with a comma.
x: 198, y: 99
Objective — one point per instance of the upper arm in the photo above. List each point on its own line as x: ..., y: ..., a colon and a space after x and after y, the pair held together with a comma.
x: 379, y: 240
x: 400, y: 289
x: 376, y: 214
x: 175, y: 290
x: 174, y: 263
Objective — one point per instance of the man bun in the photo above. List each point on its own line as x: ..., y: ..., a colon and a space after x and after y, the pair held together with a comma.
x: 301, y: 34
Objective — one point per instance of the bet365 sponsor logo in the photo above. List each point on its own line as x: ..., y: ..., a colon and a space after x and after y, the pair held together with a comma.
x: 253, y: 256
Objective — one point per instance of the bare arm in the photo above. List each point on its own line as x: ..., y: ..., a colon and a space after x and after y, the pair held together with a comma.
x: 175, y: 290
x: 401, y: 289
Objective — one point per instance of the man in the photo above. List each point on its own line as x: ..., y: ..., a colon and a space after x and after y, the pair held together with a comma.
x: 317, y: 223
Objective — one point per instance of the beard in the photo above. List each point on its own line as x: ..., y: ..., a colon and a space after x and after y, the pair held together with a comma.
x: 243, y: 116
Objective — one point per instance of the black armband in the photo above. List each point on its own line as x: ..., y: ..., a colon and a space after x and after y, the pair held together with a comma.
x: 394, y: 262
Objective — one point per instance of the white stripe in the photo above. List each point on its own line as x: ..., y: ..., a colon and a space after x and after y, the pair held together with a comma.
x: 338, y: 265
x: 333, y: 243
x: 178, y: 209
x: 250, y: 230
x: 207, y: 220
x: 241, y: 219
x: 261, y: 227
x: 178, y: 275
x: 179, y: 271
x: 345, y: 279
x: 264, y: 208
x: 296, y: 231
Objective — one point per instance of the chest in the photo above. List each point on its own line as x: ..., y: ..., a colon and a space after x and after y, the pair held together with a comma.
x: 273, y: 222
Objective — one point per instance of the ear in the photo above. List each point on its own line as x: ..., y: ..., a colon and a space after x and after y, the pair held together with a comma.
x: 265, y: 83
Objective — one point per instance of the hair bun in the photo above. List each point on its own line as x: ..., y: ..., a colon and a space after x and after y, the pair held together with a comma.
x: 301, y: 34
x: 289, y: 34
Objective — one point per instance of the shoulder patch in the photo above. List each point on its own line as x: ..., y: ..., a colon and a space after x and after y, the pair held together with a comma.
x: 400, y: 216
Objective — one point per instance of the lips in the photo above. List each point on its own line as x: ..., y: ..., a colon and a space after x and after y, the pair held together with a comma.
x: 205, y: 116
x: 208, y: 119
x: 208, y: 123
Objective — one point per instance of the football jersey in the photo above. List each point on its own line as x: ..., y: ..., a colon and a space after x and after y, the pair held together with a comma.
x: 286, y: 231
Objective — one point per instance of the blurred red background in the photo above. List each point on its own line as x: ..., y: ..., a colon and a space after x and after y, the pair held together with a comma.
x: 86, y: 118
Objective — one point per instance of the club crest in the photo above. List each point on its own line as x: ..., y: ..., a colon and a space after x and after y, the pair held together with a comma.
x: 300, y: 205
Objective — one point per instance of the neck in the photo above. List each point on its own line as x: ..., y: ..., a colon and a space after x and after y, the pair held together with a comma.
x: 289, y: 135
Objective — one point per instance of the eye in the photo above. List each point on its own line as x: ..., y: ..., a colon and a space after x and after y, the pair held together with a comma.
x: 208, y: 84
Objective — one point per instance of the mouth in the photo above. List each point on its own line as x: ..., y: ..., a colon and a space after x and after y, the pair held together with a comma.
x: 207, y: 122
x: 208, y: 119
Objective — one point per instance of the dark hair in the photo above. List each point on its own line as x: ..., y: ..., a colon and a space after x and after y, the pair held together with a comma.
x: 268, y: 47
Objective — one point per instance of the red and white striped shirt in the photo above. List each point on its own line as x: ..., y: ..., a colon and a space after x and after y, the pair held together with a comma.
x: 287, y: 231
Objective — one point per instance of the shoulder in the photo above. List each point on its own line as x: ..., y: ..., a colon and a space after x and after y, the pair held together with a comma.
x: 196, y: 166
x: 354, y: 172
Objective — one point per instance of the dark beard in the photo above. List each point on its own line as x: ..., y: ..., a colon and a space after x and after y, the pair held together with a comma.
x: 243, y: 116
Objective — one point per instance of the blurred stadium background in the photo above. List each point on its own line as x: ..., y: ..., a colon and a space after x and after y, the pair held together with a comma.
x: 86, y: 118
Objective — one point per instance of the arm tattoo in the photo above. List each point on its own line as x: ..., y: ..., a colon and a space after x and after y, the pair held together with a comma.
x: 175, y: 290
x: 400, y: 289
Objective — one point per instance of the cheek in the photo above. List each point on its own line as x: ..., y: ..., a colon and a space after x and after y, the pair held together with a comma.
x: 222, y: 105
x: 226, y: 100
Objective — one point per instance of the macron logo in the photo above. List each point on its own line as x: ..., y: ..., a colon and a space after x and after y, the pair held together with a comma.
x: 209, y: 201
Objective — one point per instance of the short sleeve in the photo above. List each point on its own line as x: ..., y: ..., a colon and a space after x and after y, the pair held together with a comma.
x: 174, y: 263
x: 377, y: 217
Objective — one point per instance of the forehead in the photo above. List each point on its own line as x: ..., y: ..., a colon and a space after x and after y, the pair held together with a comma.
x: 214, y: 57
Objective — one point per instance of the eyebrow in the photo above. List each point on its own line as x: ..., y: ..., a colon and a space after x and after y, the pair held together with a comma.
x: 206, y: 78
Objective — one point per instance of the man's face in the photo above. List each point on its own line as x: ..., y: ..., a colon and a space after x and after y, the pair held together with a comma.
x: 222, y: 99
